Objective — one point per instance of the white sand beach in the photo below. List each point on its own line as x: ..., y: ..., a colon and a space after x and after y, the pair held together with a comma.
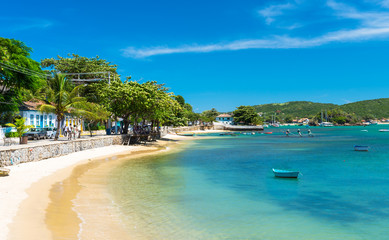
x: 30, y: 184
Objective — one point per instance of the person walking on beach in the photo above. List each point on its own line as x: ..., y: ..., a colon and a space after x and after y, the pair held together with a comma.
x: 74, y: 131
x: 299, y: 132
x: 79, y: 131
x: 69, y: 132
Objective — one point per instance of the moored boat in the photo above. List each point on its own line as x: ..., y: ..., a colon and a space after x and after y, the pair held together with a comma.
x: 4, y: 171
x: 361, y: 148
x: 268, y: 132
x: 384, y: 130
x: 326, y: 124
x: 285, y: 173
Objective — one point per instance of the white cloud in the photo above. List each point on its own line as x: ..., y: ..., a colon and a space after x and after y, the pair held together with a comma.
x: 373, y: 25
x: 372, y: 19
x: 274, y: 10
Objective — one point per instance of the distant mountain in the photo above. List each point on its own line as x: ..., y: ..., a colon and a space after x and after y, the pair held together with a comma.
x: 295, y: 109
x: 378, y: 108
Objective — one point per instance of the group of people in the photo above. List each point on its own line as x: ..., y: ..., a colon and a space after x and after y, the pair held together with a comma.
x: 71, y: 132
x: 299, y: 133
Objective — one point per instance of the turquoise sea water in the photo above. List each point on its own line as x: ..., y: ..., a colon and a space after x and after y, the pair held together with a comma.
x: 224, y: 188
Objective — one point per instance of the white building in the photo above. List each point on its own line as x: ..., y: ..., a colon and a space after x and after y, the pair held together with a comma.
x: 225, y: 118
x: 29, y: 110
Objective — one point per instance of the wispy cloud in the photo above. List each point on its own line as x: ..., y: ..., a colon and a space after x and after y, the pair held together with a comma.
x: 274, y: 43
x: 274, y: 10
x: 20, y: 24
x: 372, y: 25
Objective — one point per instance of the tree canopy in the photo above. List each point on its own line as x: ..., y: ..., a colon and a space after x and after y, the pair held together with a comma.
x: 17, y: 72
x: 246, y: 115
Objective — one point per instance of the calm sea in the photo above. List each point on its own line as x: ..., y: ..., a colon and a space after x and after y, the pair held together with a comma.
x: 224, y: 188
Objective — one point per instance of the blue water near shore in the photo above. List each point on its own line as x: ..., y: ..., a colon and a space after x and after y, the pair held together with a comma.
x: 224, y: 188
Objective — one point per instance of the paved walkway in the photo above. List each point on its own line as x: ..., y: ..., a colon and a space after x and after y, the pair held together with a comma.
x: 42, y: 142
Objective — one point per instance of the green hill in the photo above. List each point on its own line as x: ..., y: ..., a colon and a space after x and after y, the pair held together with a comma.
x: 295, y: 109
x: 377, y: 108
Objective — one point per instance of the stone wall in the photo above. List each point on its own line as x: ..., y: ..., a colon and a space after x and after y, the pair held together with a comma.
x: 24, y: 153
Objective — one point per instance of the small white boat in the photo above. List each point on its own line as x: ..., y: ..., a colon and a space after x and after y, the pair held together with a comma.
x: 384, y: 130
x: 361, y: 148
x: 326, y: 124
x: 4, y: 171
x: 285, y: 173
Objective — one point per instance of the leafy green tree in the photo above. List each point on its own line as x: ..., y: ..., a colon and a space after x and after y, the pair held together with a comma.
x: 247, y: 115
x: 74, y: 63
x: 209, y: 115
x: 66, y: 100
x: 17, y: 71
x: 337, y: 116
x: 20, y: 126
x: 94, y: 113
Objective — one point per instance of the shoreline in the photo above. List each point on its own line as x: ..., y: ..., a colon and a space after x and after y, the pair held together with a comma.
x: 25, y: 194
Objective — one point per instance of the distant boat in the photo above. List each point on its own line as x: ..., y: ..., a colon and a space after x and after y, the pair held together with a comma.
x: 4, y: 171
x: 285, y: 173
x: 326, y: 124
x: 361, y: 148
x: 364, y: 131
x: 268, y: 132
x: 186, y: 134
x: 384, y: 130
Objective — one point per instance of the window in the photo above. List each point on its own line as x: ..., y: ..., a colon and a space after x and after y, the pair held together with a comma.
x: 50, y: 121
x: 37, y: 120
x: 32, y: 119
x: 45, y: 121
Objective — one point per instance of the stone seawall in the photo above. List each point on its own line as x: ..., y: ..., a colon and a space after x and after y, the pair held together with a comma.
x: 24, y: 153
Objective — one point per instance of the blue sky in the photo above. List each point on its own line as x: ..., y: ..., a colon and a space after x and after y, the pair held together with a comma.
x: 221, y: 54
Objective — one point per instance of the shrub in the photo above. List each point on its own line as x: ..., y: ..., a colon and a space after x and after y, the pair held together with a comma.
x: 11, y: 135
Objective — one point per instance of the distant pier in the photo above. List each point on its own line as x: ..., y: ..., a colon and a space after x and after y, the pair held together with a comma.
x: 243, y: 128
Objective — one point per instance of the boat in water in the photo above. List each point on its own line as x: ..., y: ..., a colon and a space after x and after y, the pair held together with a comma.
x: 361, y: 148
x: 285, y: 173
x: 384, y: 130
x: 268, y: 132
x: 326, y: 124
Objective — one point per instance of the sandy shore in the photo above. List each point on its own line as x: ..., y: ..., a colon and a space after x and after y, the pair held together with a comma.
x: 26, y: 195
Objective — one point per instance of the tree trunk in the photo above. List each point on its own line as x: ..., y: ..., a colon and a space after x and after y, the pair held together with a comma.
x: 126, y: 123
x: 59, y: 120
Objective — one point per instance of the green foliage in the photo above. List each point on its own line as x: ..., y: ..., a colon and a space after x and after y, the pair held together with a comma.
x: 297, y: 109
x: 74, y: 63
x: 369, y: 109
x: 147, y: 101
x: 246, y: 115
x: 20, y: 126
x: 209, y: 115
x: 15, y: 54
x: 337, y: 116
x: 66, y: 100
x: 11, y: 135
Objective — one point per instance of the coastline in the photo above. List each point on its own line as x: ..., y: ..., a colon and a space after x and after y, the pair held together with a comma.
x: 27, y: 192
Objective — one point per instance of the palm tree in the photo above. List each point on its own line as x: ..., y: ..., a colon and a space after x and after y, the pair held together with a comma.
x: 66, y: 100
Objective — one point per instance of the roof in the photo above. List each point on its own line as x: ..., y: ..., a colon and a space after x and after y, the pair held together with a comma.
x: 31, y: 105
x: 224, y: 115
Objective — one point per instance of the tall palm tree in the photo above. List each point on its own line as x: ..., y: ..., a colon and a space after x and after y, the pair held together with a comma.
x: 66, y: 100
